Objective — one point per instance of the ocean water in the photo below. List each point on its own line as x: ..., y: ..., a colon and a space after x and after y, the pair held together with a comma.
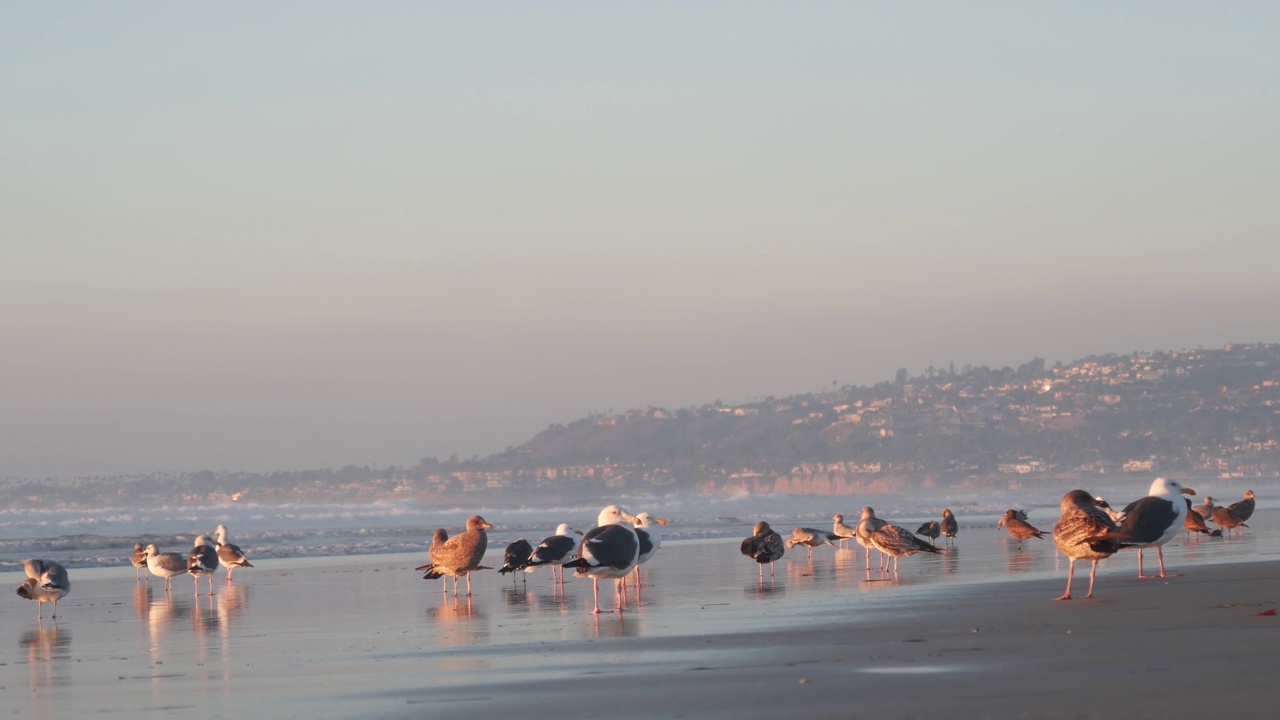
x: 105, y: 537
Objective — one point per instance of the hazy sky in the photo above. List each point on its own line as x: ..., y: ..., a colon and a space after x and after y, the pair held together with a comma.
x: 294, y: 235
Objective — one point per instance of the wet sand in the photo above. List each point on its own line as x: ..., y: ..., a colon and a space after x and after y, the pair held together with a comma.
x: 950, y: 637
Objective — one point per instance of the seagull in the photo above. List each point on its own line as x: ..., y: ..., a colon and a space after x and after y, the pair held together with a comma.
x: 438, y: 539
x: 458, y: 555
x: 1194, y: 522
x: 139, y: 560
x: 609, y: 550
x: 516, y: 557
x: 46, y: 581
x: 842, y: 531
x: 949, y: 526
x: 1224, y: 518
x: 810, y: 539
x: 165, y: 565
x: 1243, y: 509
x: 867, y: 525
x: 897, y: 541
x: 202, y: 560
x: 649, y: 532
x: 1115, y: 515
x: 1084, y: 532
x: 931, y: 530
x: 1019, y: 529
x: 553, y: 550
x: 229, y: 554
x: 764, y: 546
x: 1206, y: 510
x: 1155, y: 519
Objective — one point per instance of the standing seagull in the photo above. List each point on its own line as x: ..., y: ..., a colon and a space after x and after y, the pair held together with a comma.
x: 1205, y: 510
x: 949, y: 525
x: 867, y: 525
x: 459, y: 555
x: 1227, y: 520
x: 516, y: 557
x: 46, y: 581
x: 810, y: 538
x: 897, y: 541
x: 202, y: 560
x: 165, y: 565
x: 842, y: 531
x: 649, y: 533
x: 229, y: 554
x: 552, y: 551
x: 139, y: 560
x: 931, y: 530
x: 1194, y: 522
x: 1019, y: 529
x: 764, y: 546
x: 438, y: 539
x: 1084, y: 532
x: 1243, y: 509
x: 609, y: 550
x: 1154, y: 520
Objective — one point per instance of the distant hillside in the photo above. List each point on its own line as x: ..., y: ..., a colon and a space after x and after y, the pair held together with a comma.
x: 1194, y: 411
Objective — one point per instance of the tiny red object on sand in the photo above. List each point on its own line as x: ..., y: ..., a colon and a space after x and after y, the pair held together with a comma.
x: 1272, y: 611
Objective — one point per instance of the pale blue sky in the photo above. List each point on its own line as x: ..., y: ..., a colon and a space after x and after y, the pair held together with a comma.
x: 294, y: 235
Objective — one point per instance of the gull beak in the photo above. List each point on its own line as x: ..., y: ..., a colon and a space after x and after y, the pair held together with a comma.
x: 487, y: 526
x: 577, y: 532
x: 1188, y: 491
x: 660, y: 522
x: 630, y: 518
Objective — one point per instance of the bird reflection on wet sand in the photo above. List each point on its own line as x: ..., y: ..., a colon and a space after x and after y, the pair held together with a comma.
x: 48, y: 651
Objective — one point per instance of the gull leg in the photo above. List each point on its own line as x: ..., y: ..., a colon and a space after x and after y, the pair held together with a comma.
x: 595, y: 590
x: 1093, y: 571
x: 1071, y: 571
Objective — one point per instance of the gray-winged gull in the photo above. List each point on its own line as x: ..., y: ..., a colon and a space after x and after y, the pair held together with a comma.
x: 1154, y: 520
x: 868, y: 524
x: 168, y: 565
x: 649, y: 533
x: 230, y: 555
x: 46, y: 581
x: 459, y: 555
x: 609, y: 550
x: 810, y: 538
x: 1084, y: 532
x: 842, y: 531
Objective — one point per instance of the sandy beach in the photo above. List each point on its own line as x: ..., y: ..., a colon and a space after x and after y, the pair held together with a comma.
x: 975, y: 634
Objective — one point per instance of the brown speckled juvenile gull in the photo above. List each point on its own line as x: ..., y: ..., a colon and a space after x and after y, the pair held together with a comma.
x: 139, y: 560
x: 897, y: 541
x: 1019, y: 529
x: 165, y: 565
x: 810, y: 538
x: 949, y: 525
x: 228, y: 553
x: 1194, y: 522
x: 1084, y: 532
x: 46, y: 581
x: 1227, y: 520
x: 764, y: 546
x: 459, y: 555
